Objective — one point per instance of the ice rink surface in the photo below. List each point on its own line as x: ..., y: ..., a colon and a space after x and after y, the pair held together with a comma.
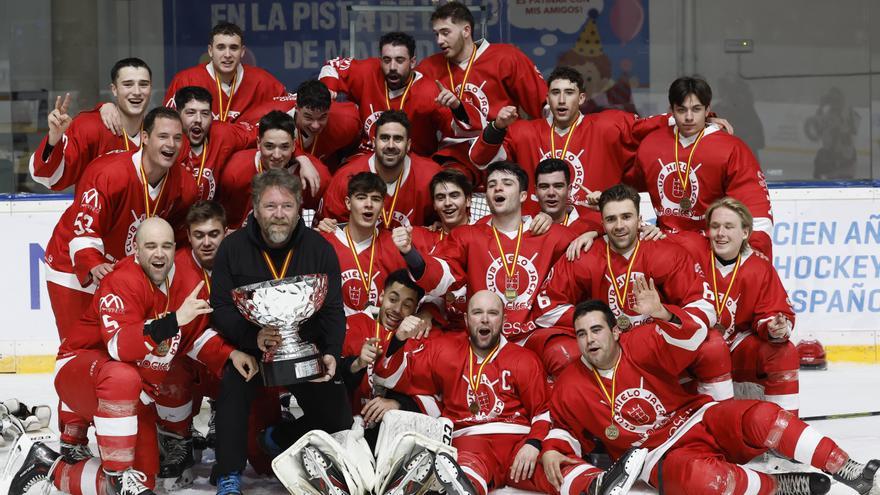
x: 843, y: 388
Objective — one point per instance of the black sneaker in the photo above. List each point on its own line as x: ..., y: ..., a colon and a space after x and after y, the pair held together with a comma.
x: 621, y: 476
x: 128, y: 482
x: 858, y: 476
x: 413, y: 475
x: 75, y: 452
x: 802, y: 483
x: 450, y: 475
x: 323, y: 475
x: 178, y: 455
x: 38, y: 466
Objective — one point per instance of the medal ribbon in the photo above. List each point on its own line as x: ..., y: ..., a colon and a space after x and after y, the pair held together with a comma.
x: 621, y: 300
x: 510, y: 270
x: 720, y: 307
x: 613, y: 386
x: 378, y: 336
x: 207, y: 280
x: 474, y: 381
x: 365, y: 277
x: 224, y: 116
x: 387, y: 217
x: 167, y: 298
x: 302, y: 143
x: 412, y: 78
x: 202, y: 166
x: 126, y: 139
x: 284, y: 267
x: 467, y: 72
x: 147, y: 210
x: 687, y: 172
x: 567, y: 138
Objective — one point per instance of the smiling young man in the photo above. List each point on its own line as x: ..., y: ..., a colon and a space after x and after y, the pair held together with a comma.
x: 366, y: 253
x: 624, y: 390
x: 276, y: 148
x: 117, y: 193
x: 235, y: 86
x: 552, y: 187
x: 325, y: 128
x: 406, y: 176
x: 755, y: 317
x: 209, y: 144
x: 389, y: 82
x: 686, y: 165
x: 72, y: 143
x: 599, y: 148
x: 109, y: 374
x: 608, y: 271
x: 501, y: 255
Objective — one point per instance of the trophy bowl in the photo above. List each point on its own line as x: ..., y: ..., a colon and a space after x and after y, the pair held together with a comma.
x: 284, y: 304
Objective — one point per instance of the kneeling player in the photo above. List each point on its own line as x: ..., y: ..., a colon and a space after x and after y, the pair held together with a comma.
x: 498, y: 412
x: 109, y: 371
x: 625, y: 391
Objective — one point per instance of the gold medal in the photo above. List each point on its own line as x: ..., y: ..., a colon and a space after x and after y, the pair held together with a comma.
x: 684, y: 178
x: 473, y: 407
x: 685, y: 203
x: 510, y: 295
x: 611, y: 432
x: 623, y: 323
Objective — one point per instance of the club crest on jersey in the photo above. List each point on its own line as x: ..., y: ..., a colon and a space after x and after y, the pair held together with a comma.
x: 487, y: 399
x: 635, y: 318
x: 111, y: 303
x: 353, y: 289
x: 576, y: 194
x: 400, y: 217
x: 369, y: 121
x: 526, y: 277
x: 639, y: 411
x: 132, y: 230
x: 478, y: 97
x: 672, y: 192
x: 208, y: 184
x: 90, y: 199
x: 730, y: 305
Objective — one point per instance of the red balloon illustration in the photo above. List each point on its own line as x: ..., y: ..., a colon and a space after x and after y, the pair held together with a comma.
x: 627, y: 18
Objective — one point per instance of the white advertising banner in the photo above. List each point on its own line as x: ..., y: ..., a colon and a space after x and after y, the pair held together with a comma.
x: 826, y: 247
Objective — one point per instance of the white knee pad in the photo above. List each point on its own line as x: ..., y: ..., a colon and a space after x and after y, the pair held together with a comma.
x: 402, y: 433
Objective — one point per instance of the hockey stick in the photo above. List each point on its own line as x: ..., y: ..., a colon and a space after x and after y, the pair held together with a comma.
x: 841, y: 416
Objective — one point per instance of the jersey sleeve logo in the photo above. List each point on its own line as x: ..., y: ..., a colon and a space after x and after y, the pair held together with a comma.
x: 111, y: 303
x: 90, y: 198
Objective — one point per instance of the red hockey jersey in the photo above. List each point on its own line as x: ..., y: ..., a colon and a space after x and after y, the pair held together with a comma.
x: 235, y: 185
x: 650, y: 408
x: 108, y: 206
x: 386, y: 259
x: 84, y: 140
x: 501, y: 75
x: 722, y: 165
x: 471, y: 256
x: 125, y: 302
x: 510, y: 393
x: 343, y: 128
x: 364, y: 83
x: 250, y: 87
x: 222, y: 142
x: 412, y: 205
x: 757, y: 294
x: 678, y: 279
x: 600, y: 152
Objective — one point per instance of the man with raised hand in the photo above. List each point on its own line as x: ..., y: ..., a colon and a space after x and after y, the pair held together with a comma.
x: 72, y: 143
x: 110, y: 374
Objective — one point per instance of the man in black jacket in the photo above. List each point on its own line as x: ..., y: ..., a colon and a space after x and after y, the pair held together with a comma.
x: 275, y: 243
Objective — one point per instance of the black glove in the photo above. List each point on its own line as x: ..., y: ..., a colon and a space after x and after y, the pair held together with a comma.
x: 161, y: 329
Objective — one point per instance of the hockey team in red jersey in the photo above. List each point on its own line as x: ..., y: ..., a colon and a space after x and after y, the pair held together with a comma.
x: 538, y: 336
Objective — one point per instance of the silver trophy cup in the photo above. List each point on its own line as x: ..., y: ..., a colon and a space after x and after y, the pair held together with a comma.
x: 284, y: 304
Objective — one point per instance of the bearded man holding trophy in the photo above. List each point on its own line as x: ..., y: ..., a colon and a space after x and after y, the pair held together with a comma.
x: 276, y: 294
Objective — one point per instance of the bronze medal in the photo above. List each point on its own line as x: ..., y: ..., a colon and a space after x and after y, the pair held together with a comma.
x: 611, y: 432
x: 623, y: 323
x: 473, y: 407
x: 685, y: 203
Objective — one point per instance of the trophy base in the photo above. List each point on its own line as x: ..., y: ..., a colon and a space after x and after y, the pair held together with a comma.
x: 291, y: 371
